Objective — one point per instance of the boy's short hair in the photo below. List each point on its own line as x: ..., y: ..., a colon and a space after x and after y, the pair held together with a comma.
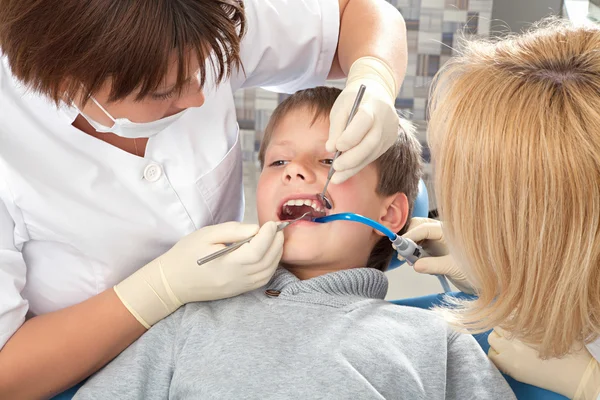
x: 58, y: 47
x: 399, y: 168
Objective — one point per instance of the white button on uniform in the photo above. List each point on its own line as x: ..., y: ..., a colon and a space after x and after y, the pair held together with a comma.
x: 152, y: 172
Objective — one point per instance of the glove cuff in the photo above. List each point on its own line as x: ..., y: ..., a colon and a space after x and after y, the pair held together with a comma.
x: 374, y: 69
x: 147, y: 295
x: 589, y: 386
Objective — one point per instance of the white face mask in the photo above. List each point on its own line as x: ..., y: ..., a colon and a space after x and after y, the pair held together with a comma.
x: 133, y: 130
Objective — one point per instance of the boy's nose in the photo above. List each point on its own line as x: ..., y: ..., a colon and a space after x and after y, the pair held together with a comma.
x: 295, y: 171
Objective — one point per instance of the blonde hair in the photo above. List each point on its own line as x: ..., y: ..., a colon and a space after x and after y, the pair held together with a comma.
x: 515, y: 136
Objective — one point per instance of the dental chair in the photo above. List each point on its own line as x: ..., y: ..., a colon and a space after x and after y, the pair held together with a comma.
x: 523, y: 391
x: 421, y: 209
x: 68, y: 395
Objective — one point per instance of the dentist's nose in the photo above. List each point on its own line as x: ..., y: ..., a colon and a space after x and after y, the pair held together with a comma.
x: 296, y: 171
x: 192, y: 98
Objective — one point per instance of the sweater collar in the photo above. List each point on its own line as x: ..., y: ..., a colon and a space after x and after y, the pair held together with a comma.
x: 362, y: 282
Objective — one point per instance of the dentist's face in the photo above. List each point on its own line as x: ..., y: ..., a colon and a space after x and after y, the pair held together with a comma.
x: 164, y: 102
x: 295, y: 170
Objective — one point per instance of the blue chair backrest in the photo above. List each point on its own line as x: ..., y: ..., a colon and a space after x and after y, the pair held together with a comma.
x: 421, y: 208
x: 523, y: 391
x: 69, y: 394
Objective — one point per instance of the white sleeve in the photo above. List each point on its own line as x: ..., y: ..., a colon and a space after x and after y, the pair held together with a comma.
x: 289, y: 44
x: 12, y: 271
x: 594, y: 349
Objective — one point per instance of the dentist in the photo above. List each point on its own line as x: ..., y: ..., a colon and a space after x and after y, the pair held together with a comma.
x: 120, y: 159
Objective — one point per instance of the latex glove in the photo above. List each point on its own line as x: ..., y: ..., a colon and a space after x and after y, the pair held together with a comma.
x: 429, y: 235
x: 576, y: 376
x: 374, y: 128
x: 175, y: 278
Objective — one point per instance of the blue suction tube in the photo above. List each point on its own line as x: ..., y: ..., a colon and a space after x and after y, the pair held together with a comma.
x: 381, y: 228
x: 357, y: 218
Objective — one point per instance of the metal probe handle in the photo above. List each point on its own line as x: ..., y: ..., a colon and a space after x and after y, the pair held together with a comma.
x: 353, y: 111
x: 227, y: 249
x: 236, y: 245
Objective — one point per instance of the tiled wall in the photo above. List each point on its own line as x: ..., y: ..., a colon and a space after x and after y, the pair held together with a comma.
x: 432, y: 34
x: 594, y: 10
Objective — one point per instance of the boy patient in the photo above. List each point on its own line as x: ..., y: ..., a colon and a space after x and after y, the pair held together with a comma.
x: 320, y: 328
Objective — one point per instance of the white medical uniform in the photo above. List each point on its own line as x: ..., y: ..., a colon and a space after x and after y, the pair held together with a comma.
x: 78, y: 215
x: 594, y: 349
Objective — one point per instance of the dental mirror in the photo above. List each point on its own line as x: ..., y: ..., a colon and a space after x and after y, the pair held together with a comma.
x: 321, y: 196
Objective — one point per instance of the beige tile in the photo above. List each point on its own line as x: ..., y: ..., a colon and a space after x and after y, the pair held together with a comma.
x: 432, y: 4
x: 430, y: 43
x: 455, y: 15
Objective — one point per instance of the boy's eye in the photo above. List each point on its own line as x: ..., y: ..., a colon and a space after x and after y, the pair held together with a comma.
x: 278, y: 163
x: 327, y: 161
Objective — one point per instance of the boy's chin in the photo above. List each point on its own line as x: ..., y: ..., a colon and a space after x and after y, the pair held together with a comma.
x: 301, y: 255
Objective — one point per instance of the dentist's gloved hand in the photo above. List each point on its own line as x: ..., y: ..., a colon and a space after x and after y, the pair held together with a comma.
x: 428, y: 234
x: 374, y: 128
x: 576, y: 376
x: 175, y: 278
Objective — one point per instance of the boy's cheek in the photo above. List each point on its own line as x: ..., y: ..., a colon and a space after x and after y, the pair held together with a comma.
x: 343, y: 192
x: 350, y: 197
x: 264, y: 200
x: 365, y: 180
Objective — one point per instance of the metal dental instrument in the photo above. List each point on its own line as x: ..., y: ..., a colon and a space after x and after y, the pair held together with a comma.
x: 326, y: 202
x: 237, y: 245
x: 408, y: 249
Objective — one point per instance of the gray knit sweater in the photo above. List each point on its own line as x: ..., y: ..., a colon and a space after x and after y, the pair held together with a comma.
x: 331, y: 337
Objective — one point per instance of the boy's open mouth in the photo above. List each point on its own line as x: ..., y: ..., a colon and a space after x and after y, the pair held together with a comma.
x: 294, y: 208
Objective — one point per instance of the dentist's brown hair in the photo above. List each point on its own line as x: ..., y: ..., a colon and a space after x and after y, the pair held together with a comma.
x: 58, y: 47
x: 515, y: 138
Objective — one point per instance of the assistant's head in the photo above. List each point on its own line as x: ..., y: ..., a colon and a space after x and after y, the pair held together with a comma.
x: 141, y: 60
x: 295, y: 166
x: 515, y: 138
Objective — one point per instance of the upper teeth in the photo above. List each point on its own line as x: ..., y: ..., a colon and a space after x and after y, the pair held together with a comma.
x: 299, y: 202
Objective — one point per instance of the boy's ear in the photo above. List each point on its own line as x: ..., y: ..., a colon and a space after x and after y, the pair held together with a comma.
x: 394, y: 212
